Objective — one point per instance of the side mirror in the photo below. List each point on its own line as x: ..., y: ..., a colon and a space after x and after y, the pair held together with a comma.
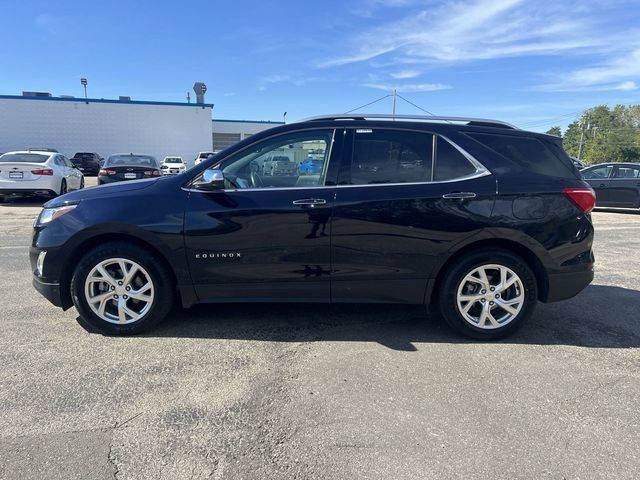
x: 211, y: 180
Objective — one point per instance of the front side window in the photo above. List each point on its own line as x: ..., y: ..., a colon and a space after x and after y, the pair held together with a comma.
x: 597, y: 172
x: 288, y: 161
x: 391, y: 156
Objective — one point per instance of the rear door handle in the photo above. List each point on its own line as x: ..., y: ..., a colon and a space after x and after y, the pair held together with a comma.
x: 310, y: 202
x: 459, y: 195
x: 602, y: 185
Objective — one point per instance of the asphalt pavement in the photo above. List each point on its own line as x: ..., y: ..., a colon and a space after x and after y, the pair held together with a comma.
x: 322, y: 392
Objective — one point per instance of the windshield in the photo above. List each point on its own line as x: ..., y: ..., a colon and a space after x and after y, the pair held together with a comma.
x: 142, y: 160
x: 173, y: 160
x: 23, y: 158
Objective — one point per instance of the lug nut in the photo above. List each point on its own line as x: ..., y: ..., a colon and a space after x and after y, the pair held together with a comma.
x: 115, y: 296
x: 483, y: 292
x: 490, y: 303
x: 492, y: 289
x: 113, y: 288
x: 497, y: 295
x: 482, y: 300
x: 125, y: 297
x: 128, y: 288
x: 119, y: 283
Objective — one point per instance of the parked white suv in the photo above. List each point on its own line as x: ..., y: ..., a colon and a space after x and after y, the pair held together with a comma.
x: 37, y: 172
x: 202, y: 156
x: 172, y: 166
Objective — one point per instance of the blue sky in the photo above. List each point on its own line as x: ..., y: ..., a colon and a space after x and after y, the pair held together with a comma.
x: 533, y: 63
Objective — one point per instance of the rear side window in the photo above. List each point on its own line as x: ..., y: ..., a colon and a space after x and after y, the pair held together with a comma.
x: 530, y: 153
x: 450, y: 162
x: 627, y: 172
x: 391, y: 156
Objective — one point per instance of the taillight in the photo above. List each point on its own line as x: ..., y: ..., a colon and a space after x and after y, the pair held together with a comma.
x: 105, y: 171
x: 152, y: 173
x: 43, y: 171
x: 583, y: 197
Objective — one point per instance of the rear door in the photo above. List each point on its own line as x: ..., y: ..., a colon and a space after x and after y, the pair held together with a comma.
x: 624, y: 186
x: 599, y: 179
x: 403, y: 199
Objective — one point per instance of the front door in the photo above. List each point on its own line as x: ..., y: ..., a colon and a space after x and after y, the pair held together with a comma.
x: 266, y: 236
x: 624, y: 186
x: 397, y: 211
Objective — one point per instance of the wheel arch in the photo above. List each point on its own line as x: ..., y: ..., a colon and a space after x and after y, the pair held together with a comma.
x: 90, y: 243
x: 528, y: 255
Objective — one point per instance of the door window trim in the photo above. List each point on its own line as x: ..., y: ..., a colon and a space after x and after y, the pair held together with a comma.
x: 481, y: 170
x: 616, y: 168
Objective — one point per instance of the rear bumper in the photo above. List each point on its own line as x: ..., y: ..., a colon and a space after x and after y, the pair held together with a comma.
x: 27, y: 191
x: 566, y: 285
x: 50, y: 291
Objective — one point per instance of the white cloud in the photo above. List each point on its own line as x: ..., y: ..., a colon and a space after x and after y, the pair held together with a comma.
x: 404, y: 74
x: 459, y: 31
x: 229, y: 94
x: 618, y: 73
x: 418, y: 87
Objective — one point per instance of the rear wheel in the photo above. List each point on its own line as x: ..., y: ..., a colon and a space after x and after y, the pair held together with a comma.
x: 81, y: 183
x: 488, y: 294
x: 121, y: 289
x: 63, y: 187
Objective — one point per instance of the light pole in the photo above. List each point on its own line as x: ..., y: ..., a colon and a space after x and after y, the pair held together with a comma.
x: 83, y: 82
x: 284, y: 117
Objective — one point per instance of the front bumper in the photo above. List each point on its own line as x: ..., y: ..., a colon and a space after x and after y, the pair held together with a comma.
x: 50, y: 291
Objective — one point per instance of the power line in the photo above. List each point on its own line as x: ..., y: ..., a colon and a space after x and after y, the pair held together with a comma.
x: 367, y: 104
x: 418, y: 107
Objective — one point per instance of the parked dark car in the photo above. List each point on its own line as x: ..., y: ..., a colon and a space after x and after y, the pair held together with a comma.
x: 615, y: 184
x: 128, y: 166
x: 87, y: 162
x: 488, y: 221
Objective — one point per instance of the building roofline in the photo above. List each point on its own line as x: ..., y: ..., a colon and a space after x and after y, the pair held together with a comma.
x: 106, y: 100
x: 247, y: 121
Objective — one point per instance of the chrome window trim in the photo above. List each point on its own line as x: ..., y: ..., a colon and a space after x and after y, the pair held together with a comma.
x: 481, y: 171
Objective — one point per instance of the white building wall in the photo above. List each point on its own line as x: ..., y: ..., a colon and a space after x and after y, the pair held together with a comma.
x: 105, y: 128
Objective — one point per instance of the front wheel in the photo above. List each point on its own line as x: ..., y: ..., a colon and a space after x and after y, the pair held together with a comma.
x: 488, y: 294
x: 121, y: 289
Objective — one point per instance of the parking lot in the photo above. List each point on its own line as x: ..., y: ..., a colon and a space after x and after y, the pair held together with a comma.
x: 335, y: 392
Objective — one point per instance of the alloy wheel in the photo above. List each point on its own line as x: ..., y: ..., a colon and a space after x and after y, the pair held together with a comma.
x: 490, y: 296
x: 119, y: 291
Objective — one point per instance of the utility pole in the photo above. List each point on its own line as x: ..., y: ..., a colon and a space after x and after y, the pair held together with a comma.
x: 83, y: 82
x: 395, y: 96
x: 284, y: 117
x: 582, y: 136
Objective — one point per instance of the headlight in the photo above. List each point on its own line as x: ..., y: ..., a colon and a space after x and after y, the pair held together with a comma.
x: 49, y: 214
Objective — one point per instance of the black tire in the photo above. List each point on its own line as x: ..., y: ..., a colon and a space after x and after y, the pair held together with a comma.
x: 456, y: 273
x: 159, y: 276
x: 81, y: 183
x: 63, y: 187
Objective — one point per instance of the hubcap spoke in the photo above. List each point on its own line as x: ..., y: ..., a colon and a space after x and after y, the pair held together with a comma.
x: 108, y: 294
x: 490, y: 296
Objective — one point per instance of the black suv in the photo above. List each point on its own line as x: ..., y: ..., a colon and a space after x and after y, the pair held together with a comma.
x: 87, y: 162
x: 474, y: 218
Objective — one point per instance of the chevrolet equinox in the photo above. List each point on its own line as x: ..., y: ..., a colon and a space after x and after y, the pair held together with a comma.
x: 473, y: 218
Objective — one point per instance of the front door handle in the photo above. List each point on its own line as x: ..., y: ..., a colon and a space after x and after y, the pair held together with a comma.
x: 602, y: 185
x: 310, y: 202
x: 459, y: 195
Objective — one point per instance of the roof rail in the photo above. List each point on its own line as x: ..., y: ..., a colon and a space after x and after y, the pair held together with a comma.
x: 481, y: 122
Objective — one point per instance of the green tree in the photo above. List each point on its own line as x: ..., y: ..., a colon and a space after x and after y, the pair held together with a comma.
x: 555, y: 131
x: 602, y: 134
